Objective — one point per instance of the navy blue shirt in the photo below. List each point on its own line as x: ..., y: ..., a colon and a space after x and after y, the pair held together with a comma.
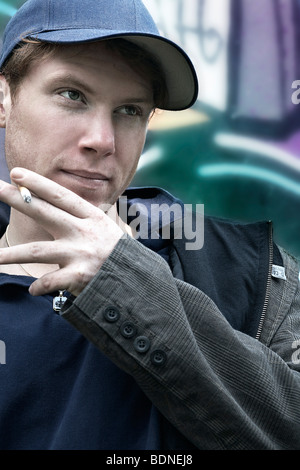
x: 57, y: 391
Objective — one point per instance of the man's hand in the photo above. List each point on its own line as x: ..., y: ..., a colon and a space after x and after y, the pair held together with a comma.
x: 83, y: 235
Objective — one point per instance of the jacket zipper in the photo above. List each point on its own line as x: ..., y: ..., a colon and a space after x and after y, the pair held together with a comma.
x: 267, y: 296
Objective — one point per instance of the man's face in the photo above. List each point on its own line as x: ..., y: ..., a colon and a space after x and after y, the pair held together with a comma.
x: 79, y: 118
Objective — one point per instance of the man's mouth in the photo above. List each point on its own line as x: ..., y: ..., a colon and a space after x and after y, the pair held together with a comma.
x: 89, y: 175
x: 88, y: 179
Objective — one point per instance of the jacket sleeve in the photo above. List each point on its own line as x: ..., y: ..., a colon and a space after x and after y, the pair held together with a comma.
x: 220, y: 388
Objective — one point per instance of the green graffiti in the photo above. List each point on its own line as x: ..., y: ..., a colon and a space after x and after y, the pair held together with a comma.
x: 6, y: 9
x: 249, y: 171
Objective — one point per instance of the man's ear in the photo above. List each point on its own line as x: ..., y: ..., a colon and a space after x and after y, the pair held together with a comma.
x: 5, y: 100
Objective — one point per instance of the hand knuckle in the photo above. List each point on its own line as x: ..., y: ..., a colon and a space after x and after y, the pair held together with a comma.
x: 35, y: 252
x: 45, y: 283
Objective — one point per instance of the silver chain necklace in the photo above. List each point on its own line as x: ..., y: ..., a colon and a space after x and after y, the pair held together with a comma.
x: 59, y: 300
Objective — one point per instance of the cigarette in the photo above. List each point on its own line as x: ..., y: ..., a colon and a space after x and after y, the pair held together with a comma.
x: 25, y: 193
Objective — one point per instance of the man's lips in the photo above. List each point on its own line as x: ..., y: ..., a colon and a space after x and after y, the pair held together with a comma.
x: 86, y: 180
x: 89, y: 175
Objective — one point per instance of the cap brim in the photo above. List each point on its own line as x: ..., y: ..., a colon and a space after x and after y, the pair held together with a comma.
x: 180, y: 75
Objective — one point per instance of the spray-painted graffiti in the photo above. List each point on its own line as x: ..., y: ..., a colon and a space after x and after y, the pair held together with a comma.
x: 200, y: 27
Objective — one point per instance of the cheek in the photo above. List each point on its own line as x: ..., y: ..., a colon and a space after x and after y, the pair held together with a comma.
x: 28, y: 150
x: 30, y: 137
x: 17, y: 141
x: 129, y: 167
x: 133, y: 150
x: 132, y: 142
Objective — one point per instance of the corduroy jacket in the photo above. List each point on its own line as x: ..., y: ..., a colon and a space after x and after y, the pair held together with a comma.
x: 216, y: 346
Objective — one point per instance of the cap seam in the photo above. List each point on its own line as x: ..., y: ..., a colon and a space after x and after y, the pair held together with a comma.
x: 135, y: 15
x: 50, y: 11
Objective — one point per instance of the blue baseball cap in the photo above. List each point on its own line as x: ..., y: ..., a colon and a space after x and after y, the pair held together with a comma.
x: 79, y: 21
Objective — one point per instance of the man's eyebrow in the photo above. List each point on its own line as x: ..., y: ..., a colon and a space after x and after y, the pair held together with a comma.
x: 69, y: 80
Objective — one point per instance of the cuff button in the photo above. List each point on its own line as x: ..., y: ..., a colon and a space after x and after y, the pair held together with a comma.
x: 141, y: 344
x: 111, y: 314
x: 158, y: 358
x: 127, y: 329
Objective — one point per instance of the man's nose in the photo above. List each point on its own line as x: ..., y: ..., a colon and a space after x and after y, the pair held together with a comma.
x: 98, y: 136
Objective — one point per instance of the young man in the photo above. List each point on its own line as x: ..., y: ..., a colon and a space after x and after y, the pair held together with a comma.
x: 172, y: 348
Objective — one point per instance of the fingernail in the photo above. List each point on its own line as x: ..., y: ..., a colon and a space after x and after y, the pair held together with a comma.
x: 17, y: 173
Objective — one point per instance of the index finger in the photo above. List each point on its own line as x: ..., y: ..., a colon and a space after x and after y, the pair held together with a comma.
x: 43, y: 212
x: 52, y: 192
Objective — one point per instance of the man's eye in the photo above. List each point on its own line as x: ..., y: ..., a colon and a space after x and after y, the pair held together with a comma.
x: 131, y: 111
x: 72, y: 95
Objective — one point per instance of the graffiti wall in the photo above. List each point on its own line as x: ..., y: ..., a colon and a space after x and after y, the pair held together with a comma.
x: 237, y: 151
